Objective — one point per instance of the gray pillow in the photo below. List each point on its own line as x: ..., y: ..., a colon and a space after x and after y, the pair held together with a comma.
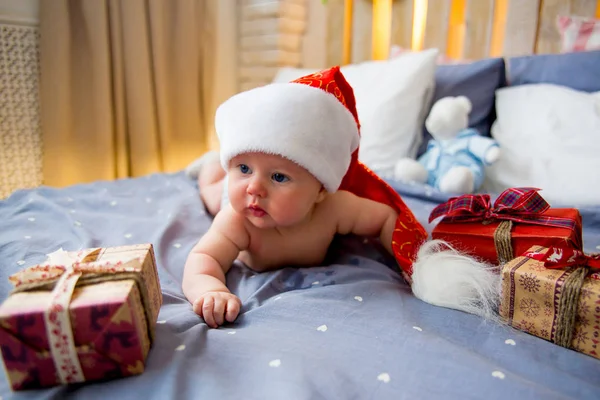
x: 579, y: 71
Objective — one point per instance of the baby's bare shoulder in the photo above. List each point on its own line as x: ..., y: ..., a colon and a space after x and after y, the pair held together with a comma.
x: 350, y: 212
x: 338, y: 203
x: 335, y: 208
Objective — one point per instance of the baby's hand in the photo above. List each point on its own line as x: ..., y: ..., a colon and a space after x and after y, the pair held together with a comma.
x: 216, y: 307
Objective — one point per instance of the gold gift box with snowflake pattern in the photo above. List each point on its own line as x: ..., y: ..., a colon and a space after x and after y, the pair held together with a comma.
x: 540, y: 301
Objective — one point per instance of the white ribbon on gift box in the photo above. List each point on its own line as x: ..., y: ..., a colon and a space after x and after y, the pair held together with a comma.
x: 58, y: 321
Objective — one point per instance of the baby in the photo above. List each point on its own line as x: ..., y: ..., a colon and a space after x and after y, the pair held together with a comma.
x: 288, y: 166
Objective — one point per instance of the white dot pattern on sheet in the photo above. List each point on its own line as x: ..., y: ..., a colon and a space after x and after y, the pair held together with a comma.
x: 80, y: 214
x: 498, y: 374
x: 275, y: 363
x: 383, y: 377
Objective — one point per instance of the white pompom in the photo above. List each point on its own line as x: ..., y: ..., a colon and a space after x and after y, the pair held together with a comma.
x: 444, y: 277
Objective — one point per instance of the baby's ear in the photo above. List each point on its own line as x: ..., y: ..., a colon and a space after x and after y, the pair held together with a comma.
x: 321, y: 195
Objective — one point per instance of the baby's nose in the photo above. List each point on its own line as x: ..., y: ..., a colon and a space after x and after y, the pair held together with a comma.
x: 256, y: 188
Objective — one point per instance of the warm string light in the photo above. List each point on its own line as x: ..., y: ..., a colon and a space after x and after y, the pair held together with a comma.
x: 382, y: 25
x: 347, y: 38
x: 419, y: 21
x: 456, y: 29
x: 498, y: 28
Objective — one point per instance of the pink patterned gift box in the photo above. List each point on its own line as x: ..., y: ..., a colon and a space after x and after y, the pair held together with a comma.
x: 80, y: 316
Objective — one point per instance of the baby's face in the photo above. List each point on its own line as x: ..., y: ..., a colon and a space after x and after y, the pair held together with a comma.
x: 272, y: 191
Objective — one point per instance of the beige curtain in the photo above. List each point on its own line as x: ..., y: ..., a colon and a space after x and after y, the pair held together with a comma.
x: 126, y: 86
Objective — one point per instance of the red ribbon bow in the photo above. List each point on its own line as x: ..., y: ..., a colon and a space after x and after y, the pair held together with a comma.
x: 515, y: 204
x: 563, y: 257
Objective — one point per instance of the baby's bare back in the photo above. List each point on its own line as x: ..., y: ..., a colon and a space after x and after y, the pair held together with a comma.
x: 304, y: 244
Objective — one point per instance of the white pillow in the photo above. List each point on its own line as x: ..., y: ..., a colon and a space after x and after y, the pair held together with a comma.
x: 550, y: 139
x: 287, y: 74
x: 392, y: 98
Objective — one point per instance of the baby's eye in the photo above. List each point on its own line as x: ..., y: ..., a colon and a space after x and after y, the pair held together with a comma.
x: 244, y: 169
x: 277, y: 177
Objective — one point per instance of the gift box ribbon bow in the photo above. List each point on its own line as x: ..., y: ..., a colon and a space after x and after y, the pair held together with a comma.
x: 564, y: 257
x: 561, y: 258
x: 63, y: 270
x: 514, y: 204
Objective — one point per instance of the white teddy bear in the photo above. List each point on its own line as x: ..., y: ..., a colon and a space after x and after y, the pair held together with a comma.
x: 455, y: 158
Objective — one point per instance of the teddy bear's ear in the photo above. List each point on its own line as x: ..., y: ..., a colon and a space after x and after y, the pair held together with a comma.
x: 465, y: 102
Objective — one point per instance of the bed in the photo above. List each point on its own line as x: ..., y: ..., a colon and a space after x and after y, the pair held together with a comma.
x: 347, y: 329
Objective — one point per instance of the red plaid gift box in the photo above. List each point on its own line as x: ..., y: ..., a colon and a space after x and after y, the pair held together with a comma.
x: 80, y: 316
x: 518, y: 219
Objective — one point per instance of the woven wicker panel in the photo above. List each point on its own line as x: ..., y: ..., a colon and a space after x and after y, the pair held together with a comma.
x: 20, y: 141
x: 270, y: 37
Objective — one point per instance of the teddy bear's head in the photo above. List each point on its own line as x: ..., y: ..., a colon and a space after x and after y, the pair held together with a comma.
x: 448, y: 116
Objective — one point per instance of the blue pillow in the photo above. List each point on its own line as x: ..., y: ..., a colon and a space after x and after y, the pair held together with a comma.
x: 478, y: 81
x: 579, y: 71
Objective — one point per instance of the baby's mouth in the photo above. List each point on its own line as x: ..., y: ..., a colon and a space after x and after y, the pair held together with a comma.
x: 257, y: 211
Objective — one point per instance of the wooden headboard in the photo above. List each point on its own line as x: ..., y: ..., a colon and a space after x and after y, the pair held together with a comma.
x: 462, y: 29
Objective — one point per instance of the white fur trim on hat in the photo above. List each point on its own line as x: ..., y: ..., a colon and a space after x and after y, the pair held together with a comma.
x: 306, y: 125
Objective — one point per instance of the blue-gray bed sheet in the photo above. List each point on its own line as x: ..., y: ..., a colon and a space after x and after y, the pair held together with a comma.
x: 349, y: 329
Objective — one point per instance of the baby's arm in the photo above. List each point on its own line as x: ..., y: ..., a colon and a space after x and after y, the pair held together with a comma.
x: 365, y: 217
x: 206, y: 266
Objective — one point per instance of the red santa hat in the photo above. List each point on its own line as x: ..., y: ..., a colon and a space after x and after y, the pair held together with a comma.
x: 313, y: 121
